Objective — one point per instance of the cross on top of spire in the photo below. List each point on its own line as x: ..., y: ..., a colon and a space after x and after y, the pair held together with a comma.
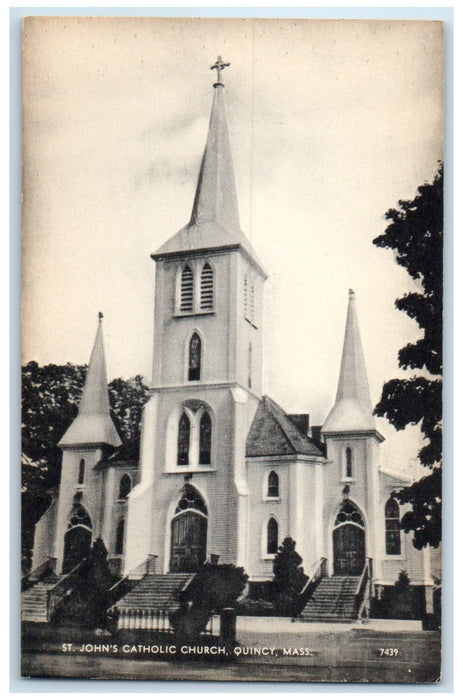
x: 219, y: 65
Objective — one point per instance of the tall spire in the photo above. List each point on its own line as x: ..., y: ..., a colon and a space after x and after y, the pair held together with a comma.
x: 215, y: 199
x: 352, y: 409
x: 214, y: 223
x: 93, y: 424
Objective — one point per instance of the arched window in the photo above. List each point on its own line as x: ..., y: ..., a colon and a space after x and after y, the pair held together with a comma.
x: 392, y: 516
x: 348, y: 463
x: 120, y: 537
x: 125, y: 486
x: 207, y: 287
x: 194, y: 358
x: 272, y: 536
x: 81, y: 471
x: 205, y: 434
x: 186, y: 289
x: 273, y: 487
x: 183, y: 442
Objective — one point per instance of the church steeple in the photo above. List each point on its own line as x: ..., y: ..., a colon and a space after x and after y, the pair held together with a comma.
x: 215, y: 200
x: 93, y: 424
x: 352, y: 409
x: 214, y: 223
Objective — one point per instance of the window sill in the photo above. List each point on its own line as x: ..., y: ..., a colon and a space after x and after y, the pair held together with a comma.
x: 122, y: 500
x: 269, y: 557
x: 200, y: 312
x: 272, y: 499
x: 394, y: 557
x: 185, y: 469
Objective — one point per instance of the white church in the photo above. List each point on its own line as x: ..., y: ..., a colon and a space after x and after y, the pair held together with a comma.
x: 222, y: 472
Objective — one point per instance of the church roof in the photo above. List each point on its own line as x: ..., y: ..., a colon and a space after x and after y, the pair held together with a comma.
x: 352, y: 410
x: 214, y: 222
x: 127, y: 453
x: 93, y: 424
x: 273, y: 433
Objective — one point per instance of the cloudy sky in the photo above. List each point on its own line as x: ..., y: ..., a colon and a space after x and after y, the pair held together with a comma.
x: 331, y: 122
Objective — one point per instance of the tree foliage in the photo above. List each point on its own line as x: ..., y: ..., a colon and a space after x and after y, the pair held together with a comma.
x: 50, y: 402
x: 415, y: 234
x: 288, y: 578
x: 215, y: 587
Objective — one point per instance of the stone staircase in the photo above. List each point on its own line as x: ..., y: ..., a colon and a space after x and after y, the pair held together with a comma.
x: 34, y: 601
x: 333, y: 600
x: 155, y: 592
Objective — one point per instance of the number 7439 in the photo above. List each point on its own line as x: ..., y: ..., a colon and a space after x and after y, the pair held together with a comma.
x: 389, y: 652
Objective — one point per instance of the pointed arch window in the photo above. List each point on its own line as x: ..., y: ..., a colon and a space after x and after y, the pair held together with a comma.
x: 349, y: 466
x: 207, y: 288
x: 186, y: 289
x: 119, y: 549
x: 81, y: 472
x: 205, y: 435
x: 273, y: 485
x: 125, y: 486
x: 194, y: 358
x: 392, y: 517
x: 272, y: 536
x: 183, y: 443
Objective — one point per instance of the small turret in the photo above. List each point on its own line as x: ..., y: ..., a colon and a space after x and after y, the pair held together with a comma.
x: 93, y: 424
x: 352, y: 410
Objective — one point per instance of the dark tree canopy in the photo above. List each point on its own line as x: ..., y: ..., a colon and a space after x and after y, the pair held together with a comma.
x: 50, y: 401
x: 415, y: 234
x: 288, y: 577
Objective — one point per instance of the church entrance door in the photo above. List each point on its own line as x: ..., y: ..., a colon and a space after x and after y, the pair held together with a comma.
x: 77, y: 545
x: 349, y: 541
x: 188, y: 531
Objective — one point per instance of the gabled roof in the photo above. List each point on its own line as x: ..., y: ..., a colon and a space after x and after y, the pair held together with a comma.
x: 128, y: 453
x: 273, y: 433
x: 93, y: 424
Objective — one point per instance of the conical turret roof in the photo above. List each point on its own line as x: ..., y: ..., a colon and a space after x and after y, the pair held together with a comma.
x: 93, y: 424
x: 214, y: 222
x: 352, y: 410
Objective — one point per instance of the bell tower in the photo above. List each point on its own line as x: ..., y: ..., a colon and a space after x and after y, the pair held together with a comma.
x: 207, y: 372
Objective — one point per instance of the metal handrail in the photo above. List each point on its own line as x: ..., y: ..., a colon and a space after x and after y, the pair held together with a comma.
x: 363, y: 592
x: 57, y: 593
x: 319, y: 571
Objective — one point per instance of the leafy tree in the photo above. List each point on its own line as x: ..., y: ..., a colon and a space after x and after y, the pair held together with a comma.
x: 87, y: 603
x: 50, y: 402
x: 288, y: 578
x: 415, y: 234
x: 215, y: 586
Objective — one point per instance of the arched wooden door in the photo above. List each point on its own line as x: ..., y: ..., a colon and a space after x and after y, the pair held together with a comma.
x: 349, y: 541
x: 188, y: 532
x: 78, y: 538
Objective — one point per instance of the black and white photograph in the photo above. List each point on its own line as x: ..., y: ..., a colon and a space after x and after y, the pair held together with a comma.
x: 232, y: 302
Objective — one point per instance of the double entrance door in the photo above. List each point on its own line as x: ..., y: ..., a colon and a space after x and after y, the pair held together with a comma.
x: 348, y: 550
x: 188, y: 541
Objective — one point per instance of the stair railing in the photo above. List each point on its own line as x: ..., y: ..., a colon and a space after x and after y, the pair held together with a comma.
x: 58, y: 592
x: 45, y: 569
x: 363, y: 591
x: 315, y: 575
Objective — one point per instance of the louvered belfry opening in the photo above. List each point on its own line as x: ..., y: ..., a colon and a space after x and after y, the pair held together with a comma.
x: 186, y: 289
x: 207, y: 287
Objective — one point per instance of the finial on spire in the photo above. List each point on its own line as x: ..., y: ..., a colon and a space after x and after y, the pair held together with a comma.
x: 219, y: 65
x: 100, y: 316
x: 351, y: 294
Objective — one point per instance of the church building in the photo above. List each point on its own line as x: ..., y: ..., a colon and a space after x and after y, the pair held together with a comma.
x: 223, y: 473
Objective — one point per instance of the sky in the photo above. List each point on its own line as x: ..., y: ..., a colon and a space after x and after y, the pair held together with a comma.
x: 331, y: 123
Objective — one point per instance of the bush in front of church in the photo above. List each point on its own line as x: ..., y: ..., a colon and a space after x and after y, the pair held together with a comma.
x: 288, y: 579
x: 215, y: 587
